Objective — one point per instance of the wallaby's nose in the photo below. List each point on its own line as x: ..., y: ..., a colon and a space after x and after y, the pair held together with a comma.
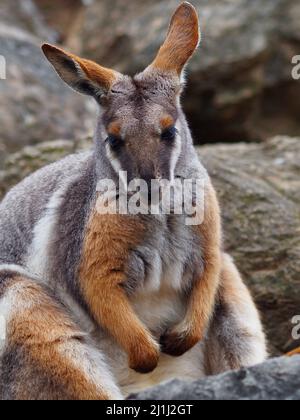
x: 148, y: 176
x: 147, y: 173
x: 148, y: 180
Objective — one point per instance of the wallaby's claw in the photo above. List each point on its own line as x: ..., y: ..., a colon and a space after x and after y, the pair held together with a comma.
x: 295, y: 352
x: 177, y: 344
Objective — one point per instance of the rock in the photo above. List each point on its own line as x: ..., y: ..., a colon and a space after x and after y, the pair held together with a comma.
x: 259, y: 189
x: 240, y: 85
x: 21, y: 164
x: 35, y: 104
x: 24, y: 15
x: 277, y: 379
x: 64, y: 16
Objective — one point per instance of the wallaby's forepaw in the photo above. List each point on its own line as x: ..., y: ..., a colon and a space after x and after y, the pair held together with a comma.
x: 144, y: 357
x: 176, y: 343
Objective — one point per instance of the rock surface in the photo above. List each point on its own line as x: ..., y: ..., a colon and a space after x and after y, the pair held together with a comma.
x: 25, y: 15
x: 277, y: 379
x: 35, y: 104
x: 240, y: 84
x: 259, y: 190
x: 31, y: 158
x: 64, y: 16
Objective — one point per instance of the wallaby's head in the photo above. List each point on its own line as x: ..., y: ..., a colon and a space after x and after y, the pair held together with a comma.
x: 138, y: 129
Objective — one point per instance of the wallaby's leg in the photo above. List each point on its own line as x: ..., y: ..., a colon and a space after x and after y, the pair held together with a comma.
x: 203, y: 295
x: 108, y: 241
x: 236, y: 337
x: 44, y: 354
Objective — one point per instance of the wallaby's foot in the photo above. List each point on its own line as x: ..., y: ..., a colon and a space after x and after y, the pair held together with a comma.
x: 144, y: 356
x: 179, y: 341
x: 295, y: 352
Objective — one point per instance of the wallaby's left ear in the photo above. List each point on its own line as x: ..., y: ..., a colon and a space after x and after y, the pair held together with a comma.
x: 82, y: 75
x: 182, y: 40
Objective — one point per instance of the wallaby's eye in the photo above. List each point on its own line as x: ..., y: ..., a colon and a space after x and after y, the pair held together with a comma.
x: 169, y: 134
x: 114, y: 142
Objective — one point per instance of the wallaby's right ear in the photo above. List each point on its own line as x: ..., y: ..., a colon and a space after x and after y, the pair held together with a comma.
x: 84, y: 76
x: 182, y: 40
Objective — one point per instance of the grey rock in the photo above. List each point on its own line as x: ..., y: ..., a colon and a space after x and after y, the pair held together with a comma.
x: 25, y: 15
x: 18, y: 165
x: 259, y: 190
x: 277, y: 379
x: 35, y: 104
x: 64, y: 16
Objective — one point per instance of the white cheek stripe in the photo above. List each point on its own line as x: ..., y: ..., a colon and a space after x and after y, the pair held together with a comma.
x: 37, y: 257
x: 176, y: 152
x: 116, y: 165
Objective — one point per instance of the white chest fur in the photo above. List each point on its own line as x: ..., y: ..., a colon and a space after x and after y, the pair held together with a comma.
x: 160, y: 303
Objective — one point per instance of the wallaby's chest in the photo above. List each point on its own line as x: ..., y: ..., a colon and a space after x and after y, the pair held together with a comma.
x: 170, y: 257
x: 170, y: 254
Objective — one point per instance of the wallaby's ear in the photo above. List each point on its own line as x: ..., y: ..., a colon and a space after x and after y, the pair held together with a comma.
x: 82, y: 75
x: 182, y: 40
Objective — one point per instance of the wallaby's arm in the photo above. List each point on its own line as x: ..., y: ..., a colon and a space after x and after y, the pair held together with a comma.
x: 108, y: 240
x: 203, y: 295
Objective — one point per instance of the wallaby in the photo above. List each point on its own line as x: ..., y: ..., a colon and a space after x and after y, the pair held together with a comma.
x: 97, y: 305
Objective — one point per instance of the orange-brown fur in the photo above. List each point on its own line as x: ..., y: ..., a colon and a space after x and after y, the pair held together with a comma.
x: 166, y: 122
x: 100, y: 75
x: 40, y: 329
x: 232, y: 294
x: 181, y: 42
x: 231, y: 289
x: 204, y: 293
x: 114, y: 128
x: 108, y: 240
x: 294, y: 352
